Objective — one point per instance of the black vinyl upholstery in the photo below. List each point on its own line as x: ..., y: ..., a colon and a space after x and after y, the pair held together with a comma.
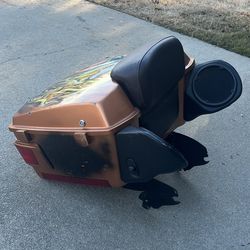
x: 149, y: 77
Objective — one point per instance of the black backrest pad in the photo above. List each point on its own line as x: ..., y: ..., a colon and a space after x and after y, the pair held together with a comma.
x: 150, y: 72
x: 150, y: 76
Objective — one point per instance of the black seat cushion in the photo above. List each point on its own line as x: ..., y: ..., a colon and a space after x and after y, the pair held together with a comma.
x: 151, y: 72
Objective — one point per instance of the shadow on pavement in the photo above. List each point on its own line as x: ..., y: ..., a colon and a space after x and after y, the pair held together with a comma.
x: 156, y: 193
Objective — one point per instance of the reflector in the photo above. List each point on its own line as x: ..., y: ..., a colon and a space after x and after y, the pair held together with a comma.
x: 27, y: 155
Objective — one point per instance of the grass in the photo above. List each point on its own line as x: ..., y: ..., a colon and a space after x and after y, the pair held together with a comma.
x: 224, y: 23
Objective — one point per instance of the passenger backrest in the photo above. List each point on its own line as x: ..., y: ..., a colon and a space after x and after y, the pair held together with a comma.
x: 149, y: 77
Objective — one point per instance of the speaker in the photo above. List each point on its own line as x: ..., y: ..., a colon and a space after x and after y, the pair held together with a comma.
x: 210, y: 87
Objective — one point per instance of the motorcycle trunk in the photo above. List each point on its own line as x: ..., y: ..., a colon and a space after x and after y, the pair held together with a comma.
x: 106, y: 124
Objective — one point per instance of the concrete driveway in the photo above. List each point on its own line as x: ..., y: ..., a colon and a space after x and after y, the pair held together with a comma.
x: 44, y: 41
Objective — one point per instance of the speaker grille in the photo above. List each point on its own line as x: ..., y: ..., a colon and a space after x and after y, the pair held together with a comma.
x: 210, y: 87
x: 214, y: 85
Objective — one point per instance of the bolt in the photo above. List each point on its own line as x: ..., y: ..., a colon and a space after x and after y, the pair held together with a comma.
x: 82, y: 123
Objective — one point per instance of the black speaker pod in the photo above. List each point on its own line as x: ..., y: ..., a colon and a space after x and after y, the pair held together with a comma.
x: 210, y: 87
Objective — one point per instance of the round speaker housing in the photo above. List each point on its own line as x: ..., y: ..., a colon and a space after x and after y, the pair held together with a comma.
x: 211, y: 86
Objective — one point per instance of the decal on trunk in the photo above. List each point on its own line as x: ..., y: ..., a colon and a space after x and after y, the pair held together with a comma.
x: 75, y: 84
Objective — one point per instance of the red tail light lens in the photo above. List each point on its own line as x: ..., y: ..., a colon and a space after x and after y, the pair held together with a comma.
x: 27, y: 155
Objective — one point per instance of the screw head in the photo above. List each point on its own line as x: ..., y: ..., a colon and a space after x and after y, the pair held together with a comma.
x: 82, y: 123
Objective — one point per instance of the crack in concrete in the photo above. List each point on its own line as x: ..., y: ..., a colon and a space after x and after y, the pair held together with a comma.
x: 82, y: 20
x: 39, y: 54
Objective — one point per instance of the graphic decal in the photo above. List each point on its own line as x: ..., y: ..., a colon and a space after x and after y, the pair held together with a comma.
x: 75, y: 84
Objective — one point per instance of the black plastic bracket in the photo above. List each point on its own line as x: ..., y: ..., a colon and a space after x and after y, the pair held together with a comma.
x: 143, y: 155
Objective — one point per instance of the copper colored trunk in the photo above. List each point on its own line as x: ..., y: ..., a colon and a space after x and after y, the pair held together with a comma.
x: 71, y: 127
x: 73, y: 121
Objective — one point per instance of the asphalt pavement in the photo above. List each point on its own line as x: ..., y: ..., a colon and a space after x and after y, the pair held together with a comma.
x: 41, y: 42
